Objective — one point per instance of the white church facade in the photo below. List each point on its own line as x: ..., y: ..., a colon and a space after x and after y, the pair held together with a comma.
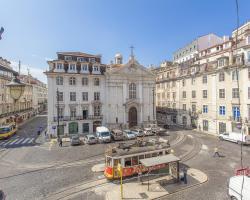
x: 83, y: 93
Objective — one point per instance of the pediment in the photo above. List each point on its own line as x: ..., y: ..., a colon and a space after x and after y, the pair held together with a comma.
x: 132, y: 68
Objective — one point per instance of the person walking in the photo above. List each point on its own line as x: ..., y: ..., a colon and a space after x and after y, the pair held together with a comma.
x: 185, y: 175
x: 216, y: 152
x: 60, y: 144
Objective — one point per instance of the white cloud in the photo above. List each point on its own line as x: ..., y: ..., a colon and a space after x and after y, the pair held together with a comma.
x: 35, y: 72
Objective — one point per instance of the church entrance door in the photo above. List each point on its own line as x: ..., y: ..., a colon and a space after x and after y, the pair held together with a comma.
x: 132, y: 117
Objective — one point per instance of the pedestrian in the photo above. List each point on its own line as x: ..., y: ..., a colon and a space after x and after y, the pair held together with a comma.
x: 216, y: 152
x: 185, y: 175
x: 60, y: 144
x: 45, y: 133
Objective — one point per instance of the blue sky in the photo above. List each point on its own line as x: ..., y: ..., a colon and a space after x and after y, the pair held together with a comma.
x: 36, y: 29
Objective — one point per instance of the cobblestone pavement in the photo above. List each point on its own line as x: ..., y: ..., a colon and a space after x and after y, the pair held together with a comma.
x: 34, y: 172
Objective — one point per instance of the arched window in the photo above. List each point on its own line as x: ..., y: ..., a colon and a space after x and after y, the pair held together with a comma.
x: 132, y: 90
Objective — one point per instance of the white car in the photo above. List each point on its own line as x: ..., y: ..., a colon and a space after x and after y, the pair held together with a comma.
x: 138, y: 132
x: 148, y: 131
x: 129, y: 135
x: 235, y: 186
x: 235, y: 137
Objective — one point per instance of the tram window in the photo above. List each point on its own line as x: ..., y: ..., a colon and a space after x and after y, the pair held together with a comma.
x: 148, y: 155
x: 141, y: 157
x: 109, y: 160
x: 116, y: 161
x: 160, y: 153
x: 135, y: 160
x: 154, y: 154
x: 127, y: 162
x: 166, y: 152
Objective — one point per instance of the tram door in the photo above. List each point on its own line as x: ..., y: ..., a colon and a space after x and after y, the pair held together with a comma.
x: 115, y: 172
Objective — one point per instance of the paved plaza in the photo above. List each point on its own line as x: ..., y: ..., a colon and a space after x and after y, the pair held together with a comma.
x: 42, y: 170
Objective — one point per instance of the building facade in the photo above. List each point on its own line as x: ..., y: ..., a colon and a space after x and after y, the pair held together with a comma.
x: 211, y: 91
x: 91, y: 93
x: 35, y: 94
x: 26, y: 106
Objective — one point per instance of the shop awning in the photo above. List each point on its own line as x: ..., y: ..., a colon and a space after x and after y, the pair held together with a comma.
x: 149, y: 162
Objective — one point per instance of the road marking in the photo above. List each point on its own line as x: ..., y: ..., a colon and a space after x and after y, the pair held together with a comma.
x: 13, y: 141
x: 31, y: 140
x: 7, y: 142
x: 25, y: 140
x: 190, y: 136
x: 19, y: 141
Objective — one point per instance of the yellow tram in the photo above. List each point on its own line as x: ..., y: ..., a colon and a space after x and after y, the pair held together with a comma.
x: 130, y: 157
x: 7, y: 131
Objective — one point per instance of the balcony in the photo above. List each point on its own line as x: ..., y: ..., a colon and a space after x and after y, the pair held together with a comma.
x: 69, y: 118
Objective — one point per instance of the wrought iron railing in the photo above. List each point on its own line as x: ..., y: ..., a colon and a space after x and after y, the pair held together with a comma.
x: 73, y: 118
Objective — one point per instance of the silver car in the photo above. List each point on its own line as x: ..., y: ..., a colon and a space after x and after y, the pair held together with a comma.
x: 138, y: 132
x: 75, y: 140
x: 90, y: 139
x: 129, y: 135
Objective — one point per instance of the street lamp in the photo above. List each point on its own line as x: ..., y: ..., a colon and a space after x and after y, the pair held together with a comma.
x: 16, y: 90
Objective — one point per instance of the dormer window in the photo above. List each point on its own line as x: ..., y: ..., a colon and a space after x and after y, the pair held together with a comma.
x: 95, y: 68
x: 84, y: 67
x: 68, y: 58
x: 72, y: 67
x: 92, y: 60
x: 59, y: 66
x: 81, y: 59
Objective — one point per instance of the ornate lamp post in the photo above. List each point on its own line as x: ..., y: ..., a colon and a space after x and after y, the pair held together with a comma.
x: 16, y: 90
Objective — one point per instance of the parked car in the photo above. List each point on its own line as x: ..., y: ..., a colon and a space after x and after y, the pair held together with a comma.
x: 235, y: 137
x: 129, y: 135
x: 235, y: 186
x: 117, y: 134
x: 90, y: 139
x: 103, y: 134
x: 138, y: 132
x: 75, y: 140
x: 148, y: 131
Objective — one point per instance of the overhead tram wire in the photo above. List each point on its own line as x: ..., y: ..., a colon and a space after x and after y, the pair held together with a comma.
x: 238, y: 85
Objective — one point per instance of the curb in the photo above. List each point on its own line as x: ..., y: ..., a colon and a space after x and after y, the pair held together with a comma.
x: 186, y: 188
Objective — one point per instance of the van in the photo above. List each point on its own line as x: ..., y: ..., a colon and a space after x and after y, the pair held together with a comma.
x: 103, y: 134
x: 117, y: 134
x: 235, y: 186
x: 235, y: 137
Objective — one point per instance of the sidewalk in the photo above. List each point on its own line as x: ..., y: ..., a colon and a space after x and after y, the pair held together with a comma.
x: 157, y: 187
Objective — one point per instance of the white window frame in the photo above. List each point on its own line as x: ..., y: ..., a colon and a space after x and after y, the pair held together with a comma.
x: 72, y: 67
x: 84, y: 67
x: 132, y: 91
x: 68, y: 58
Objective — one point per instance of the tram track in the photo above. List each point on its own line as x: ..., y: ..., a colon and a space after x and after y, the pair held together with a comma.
x: 84, y: 187
x: 82, y: 162
x: 193, y: 152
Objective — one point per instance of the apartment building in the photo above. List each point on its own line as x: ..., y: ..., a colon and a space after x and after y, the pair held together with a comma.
x: 91, y: 93
x: 208, y: 96
x: 26, y: 106
x: 36, y: 95
x: 191, y: 50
